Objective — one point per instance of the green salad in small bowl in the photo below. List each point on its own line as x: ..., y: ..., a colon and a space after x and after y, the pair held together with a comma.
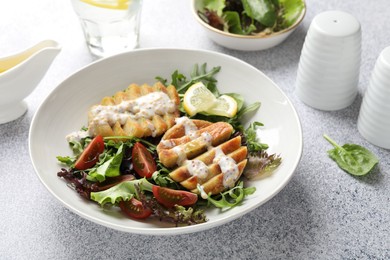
x: 249, y: 24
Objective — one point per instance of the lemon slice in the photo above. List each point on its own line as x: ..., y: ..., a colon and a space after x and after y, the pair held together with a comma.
x: 224, y: 106
x: 110, y: 4
x: 198, y: 99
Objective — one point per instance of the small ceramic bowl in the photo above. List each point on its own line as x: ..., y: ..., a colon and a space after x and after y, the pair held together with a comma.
x: 244, y: 42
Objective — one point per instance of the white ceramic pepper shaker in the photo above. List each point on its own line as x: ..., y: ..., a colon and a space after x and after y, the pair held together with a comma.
x: 329, y: 66
x: 374, y: 116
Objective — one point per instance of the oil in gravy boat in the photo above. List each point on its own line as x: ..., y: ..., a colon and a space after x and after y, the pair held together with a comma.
x: 19, y: 76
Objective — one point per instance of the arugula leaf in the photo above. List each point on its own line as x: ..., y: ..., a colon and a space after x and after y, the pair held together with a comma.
x: 230, y: 198
x: 161, y: 177
x: 352, y: 158
x: 248, y: 109
x: 122, y: 191
x: 181, y: 82
x: 253, y: 144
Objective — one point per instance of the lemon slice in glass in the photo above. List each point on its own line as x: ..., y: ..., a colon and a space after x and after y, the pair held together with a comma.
x: 198, y: 98
x: 224, y: 106
x: 110, y: 4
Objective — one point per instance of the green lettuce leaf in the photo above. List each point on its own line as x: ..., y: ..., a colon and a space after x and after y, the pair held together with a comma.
x: 67, y: 160
x: 122, y: 191
x: 110, y: 168
x: 292, y: 9
x: 215, y: 5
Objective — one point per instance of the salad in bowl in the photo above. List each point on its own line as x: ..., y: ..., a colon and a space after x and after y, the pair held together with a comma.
x: 243, y: 98
x: 168, y: 150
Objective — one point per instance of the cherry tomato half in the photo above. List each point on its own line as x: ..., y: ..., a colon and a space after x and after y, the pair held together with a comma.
x: 143, y: 162
x: 135, y: 209
x: 169, y: 197
x: 90, y: 155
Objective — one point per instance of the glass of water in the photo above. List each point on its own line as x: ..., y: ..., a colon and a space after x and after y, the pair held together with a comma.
x: 109, y: 26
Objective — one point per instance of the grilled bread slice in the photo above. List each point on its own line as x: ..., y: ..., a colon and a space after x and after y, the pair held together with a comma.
x: 203, y: 153
x: 139, y: 111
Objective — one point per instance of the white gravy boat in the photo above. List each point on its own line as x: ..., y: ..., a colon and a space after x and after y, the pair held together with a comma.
x: 20, y: 74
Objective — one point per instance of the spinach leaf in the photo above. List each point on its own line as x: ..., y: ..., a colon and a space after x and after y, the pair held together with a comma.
x: 234, y: 23
x: 262, y: 11
x: 248, y: 109
x: 352, y: 158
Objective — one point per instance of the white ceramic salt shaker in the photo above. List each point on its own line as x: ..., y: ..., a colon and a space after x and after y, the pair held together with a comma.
x: 374, y: 116
x: 329, y: 66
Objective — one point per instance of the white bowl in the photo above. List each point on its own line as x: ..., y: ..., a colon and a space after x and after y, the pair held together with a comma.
x: 245, y: 42
x: 65, y: 111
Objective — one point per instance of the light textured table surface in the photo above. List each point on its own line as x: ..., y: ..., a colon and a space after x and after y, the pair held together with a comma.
x: 323, y: 212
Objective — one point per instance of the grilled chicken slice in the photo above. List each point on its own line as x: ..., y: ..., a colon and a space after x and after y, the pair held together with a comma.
x: 203, y: 153
x: 139, y: 111
x: 187, y: 147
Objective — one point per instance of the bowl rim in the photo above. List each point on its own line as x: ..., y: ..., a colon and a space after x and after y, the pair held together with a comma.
x: 257, y: 36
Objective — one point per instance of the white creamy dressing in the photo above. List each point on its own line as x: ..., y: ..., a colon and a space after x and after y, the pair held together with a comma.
x: 198, y: 168
x: 76, y: 136
x: 203, y: 194
x: 228, y: 167
x: 168, y: 143
x: 206, y: 138
x: 189, y: 127
x: 147, y: 106
x: 181, y: 155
